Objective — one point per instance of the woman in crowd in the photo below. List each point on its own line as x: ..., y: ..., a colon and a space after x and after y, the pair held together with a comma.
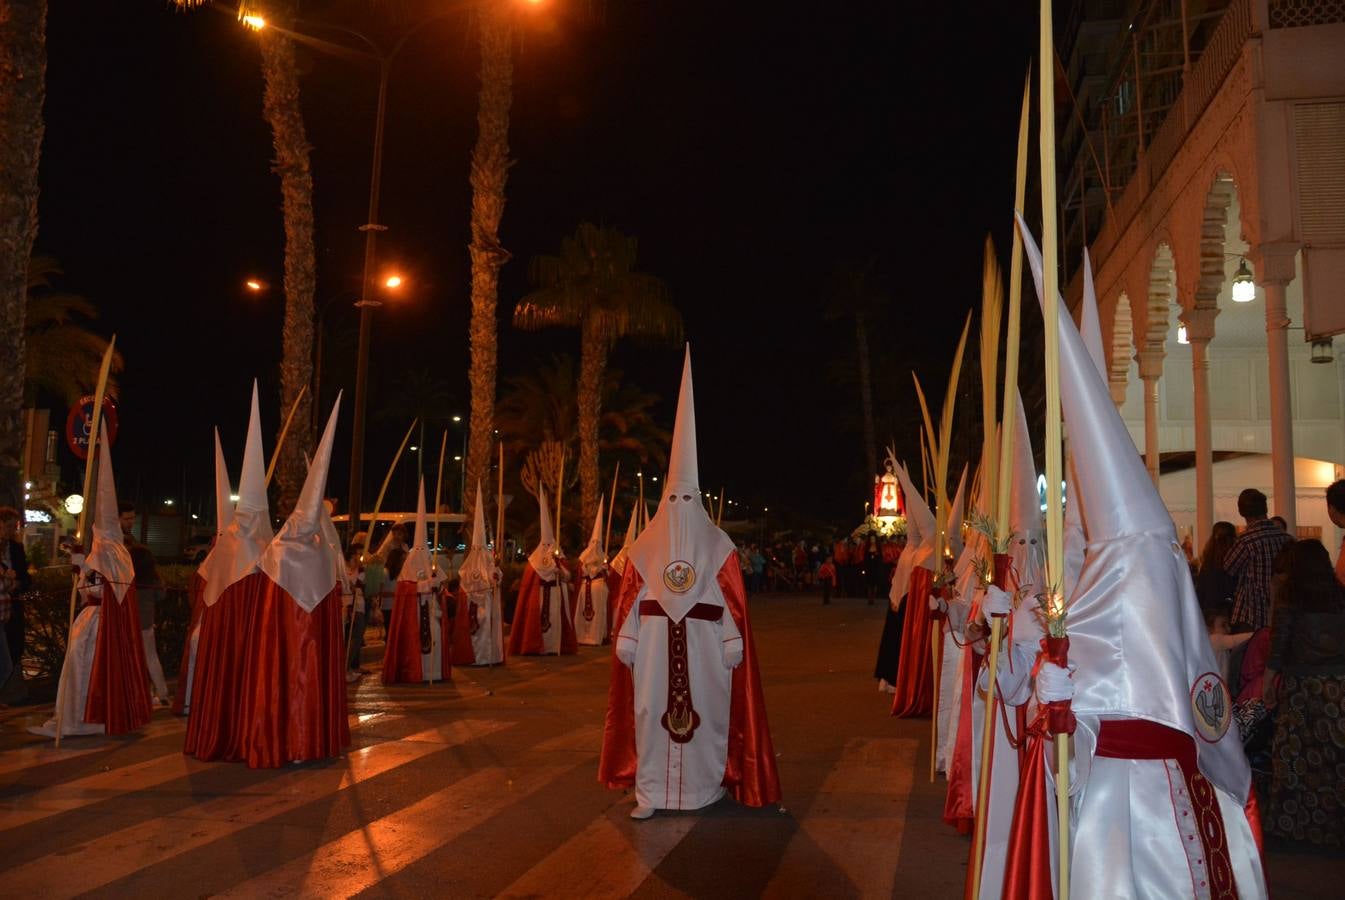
x: 1214, y: 586
x: 1307, y: 655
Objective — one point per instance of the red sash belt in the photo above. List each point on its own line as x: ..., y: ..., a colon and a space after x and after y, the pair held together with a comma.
x: 1142, y: 739
x: 95, y: 602
x: 706, y: 611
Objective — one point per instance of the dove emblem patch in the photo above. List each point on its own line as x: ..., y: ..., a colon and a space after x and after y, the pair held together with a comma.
x: 1211, y: 706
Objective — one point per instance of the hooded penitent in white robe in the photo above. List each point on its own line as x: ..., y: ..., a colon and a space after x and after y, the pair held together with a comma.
x: 479, y: 582
x: 591, y: 607
x: 544, y: 614
x: 686, y: 719
x: 415, y: 650
x: 1160, y: 778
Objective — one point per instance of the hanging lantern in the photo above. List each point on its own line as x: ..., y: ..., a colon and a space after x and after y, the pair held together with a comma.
x: 1244, y: 288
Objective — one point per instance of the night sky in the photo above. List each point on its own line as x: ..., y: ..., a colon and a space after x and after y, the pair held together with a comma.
x: 753, y: 149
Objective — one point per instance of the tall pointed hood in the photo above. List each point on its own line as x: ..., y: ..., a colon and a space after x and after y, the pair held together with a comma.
x: 593, y: 558
x: 919, y: 536
x: 224, y: 504
x: 417, y: 565
x: 1075, y: 538
x: 618, y: 563
x: 543, y: 558
x: 680, y: 553
x: 477, y: 572
x: 300, y: 559
x: 108, y: 555
x: 1028, y: 546
x: 241, y: 544
x: 1136, y: 631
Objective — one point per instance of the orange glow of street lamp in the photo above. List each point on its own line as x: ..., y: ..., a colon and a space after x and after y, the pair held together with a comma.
x: 392, y: 282
x: 256, y: 23
x: 254, y: 285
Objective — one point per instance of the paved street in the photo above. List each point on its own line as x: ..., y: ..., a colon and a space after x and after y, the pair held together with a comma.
x: 486, y: 787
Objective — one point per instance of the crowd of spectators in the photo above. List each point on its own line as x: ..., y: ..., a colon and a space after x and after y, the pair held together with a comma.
x: 1276, y: 615
x: 857, y: 567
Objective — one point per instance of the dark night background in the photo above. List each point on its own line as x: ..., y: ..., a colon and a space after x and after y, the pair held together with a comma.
x: 754, y: 149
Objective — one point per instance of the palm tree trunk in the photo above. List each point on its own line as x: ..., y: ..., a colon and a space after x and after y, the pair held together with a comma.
x: 281, y: 107
x: 490, y: 171
x: 866, y: 394
x: 592, y: 365
x: 23, y: 65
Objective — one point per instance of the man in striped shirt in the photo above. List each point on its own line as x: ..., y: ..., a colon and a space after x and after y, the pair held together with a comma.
x: 1252, y: 560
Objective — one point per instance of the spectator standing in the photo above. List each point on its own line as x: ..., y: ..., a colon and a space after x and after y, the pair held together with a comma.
x: 1214, y: 586
x: 826, y: 577
x: 1335, y: 509
x: 1252, y: 559
x: 14, y: 583
x: 1307, y: 652
x: 148, y: 593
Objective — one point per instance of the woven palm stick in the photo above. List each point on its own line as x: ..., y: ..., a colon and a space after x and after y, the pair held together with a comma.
x: 95, y: 424
x: 611, y: 505
x: 284, y: 430
x: 1055, y: 520
x: 936, y: 651
x: 983, y: 776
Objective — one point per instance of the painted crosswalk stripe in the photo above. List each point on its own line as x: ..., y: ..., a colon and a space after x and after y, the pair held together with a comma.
x: 73, y: 747
x: 858, y: 816
x: 34, y: 806
x: 122, y: 853
x: 361, y: 859
x: 606, y: 859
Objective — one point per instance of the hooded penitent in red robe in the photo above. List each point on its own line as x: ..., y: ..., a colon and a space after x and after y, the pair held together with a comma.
x: 119, y: 682
x: 416, y: 649
x: 293, y: 704
x: 525, y: 634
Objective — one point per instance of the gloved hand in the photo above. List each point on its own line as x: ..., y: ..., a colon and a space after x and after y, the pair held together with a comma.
x: 937, y: 603
x: 733, y: 653
x: 997, y: 602
x: 1054, y: 683
x: 625, y: 651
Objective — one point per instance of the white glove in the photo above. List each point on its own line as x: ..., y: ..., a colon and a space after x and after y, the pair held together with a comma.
x: 1054, y: 683
x: 625, y: 651
x: 937, y: 603
x: 733, y: 653
x: 997, y: 602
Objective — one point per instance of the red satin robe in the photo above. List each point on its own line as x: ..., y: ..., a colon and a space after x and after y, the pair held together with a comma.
x: 750, y: 772
x: 293, y: 705
x: 459, y: 630
x: 403, y: 662
x: 915, y: 672
x: 525, y: 634
x: 215, y: 721
x: 119, y: 682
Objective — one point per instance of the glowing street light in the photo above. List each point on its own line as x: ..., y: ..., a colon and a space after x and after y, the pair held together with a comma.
x: 255, y: 285
x: 256, y: 23
x: 392, y: 282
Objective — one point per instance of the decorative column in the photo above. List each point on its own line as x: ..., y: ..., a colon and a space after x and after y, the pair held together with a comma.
x: 1150, y: 361
x: 1200, y: 331
x: 1276, y: 271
